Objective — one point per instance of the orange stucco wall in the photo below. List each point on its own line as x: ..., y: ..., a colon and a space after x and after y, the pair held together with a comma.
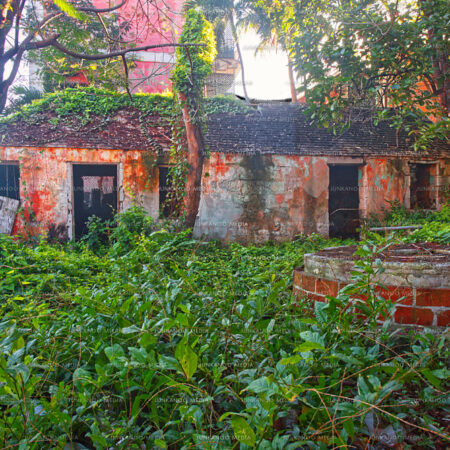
x: 255, y: 198
x: 46, y: 182
x: 245, y: 197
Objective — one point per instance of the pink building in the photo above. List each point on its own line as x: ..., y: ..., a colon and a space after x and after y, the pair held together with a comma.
x: 150, y: 23
x: 161, y: 22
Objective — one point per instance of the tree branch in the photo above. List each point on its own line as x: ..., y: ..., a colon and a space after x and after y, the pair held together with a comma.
x: 101, y: 10
x: 26, y: 42
x: 101, y: 56
x: 125, y: 66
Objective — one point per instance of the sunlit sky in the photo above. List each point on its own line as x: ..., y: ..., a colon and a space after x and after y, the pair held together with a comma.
x: 266, y: 73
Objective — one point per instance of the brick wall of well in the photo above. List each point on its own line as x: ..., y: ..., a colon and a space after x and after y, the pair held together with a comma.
x: 414, y: 306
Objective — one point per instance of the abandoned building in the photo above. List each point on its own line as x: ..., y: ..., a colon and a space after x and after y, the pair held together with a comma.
x: 269, y: 174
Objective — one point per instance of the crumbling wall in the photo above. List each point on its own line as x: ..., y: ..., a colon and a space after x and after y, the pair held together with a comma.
x: 254, y: 198
x: 443, y: 182
x: 382, y: 180
x: 46, y: 183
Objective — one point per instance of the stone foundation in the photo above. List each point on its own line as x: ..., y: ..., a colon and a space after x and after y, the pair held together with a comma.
x: 416, y: 277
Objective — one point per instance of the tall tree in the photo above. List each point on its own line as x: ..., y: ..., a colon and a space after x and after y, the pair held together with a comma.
x: 192, y: 68
x: 390, y: 55
x: 21, y: 33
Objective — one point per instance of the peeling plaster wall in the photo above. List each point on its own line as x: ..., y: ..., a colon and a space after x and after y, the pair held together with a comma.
x: 255, y: 198
x: 382, y: 181
x: 442, y: 183
x: 46, y: 183
x: 249, y: 197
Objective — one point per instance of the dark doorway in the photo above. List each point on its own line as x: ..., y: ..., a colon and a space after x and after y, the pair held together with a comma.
x: 9, y: 181
x: 421, y: 193
x: 95, y: 194
x: 167, y: 202
x: 343, y: 203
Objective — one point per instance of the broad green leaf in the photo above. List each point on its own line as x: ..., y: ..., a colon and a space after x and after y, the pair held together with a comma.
x: 428, y: 374
x: 262, y: 385
x: 70, y: 10
x: 349, y: 427
x: 131, y: 329
x: 307, y: 346
x: 114, y: 352
x: 187, y: 358
x: 243, y: 431
x: 160, y: 443
x: 291, y: 360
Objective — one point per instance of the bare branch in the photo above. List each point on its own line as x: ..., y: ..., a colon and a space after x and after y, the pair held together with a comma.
x: 13, y: 51
x: 101, y: 56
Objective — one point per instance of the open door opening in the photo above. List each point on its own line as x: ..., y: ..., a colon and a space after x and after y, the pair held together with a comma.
x: 95, y: 194
x: 343, y: 201
x: 422, y: 192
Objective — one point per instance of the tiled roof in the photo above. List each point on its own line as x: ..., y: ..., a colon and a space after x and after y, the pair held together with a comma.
x: 285, y: 129
x: 120, y: 131
x: 280, y: 128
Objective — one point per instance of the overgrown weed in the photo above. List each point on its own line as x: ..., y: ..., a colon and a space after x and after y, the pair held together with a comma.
x: 147, y: 338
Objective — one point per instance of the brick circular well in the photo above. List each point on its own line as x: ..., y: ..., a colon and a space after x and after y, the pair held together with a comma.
x: 417, y: 278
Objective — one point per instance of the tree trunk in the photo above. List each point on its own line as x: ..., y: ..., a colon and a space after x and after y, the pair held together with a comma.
x: 291, y: 81
x: 238, y: 48
x: 195, y: 155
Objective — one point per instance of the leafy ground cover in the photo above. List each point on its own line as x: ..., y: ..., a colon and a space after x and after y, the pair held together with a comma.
x: 146, y: 338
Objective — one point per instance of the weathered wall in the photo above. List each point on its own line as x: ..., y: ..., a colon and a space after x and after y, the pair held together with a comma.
x: 249, y: 197
x: 382, y: 181
x: 46, y: 182
x: 443, y: 182
x: 256, y: 197
x: 385, y: 180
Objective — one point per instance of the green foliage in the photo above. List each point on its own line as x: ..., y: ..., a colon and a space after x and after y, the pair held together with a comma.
x: 388, y: 56
x: 194, y: 64
x: 123, y: 231
x: 87, y: 103
x: 98, y: 231
x: 163, y: 341
x: 192, y: 67
x: 22, y: 96
x: 79, y: 32
x: 225, y: 104
x: 69, y: 9
x: 435, y: 224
